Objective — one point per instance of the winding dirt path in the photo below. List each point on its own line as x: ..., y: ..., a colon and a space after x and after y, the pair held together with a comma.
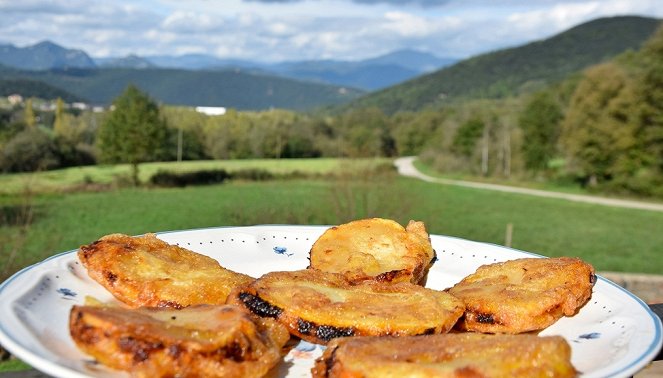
x: 406, y: 167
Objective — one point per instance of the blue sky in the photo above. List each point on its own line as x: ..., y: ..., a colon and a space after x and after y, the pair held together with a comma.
x: 278, y: 30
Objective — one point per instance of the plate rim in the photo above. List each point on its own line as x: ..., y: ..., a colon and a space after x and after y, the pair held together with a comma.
x: 50, y: 367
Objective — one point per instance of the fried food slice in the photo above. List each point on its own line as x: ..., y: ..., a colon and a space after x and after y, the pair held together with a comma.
x: 198, y: 341
x: 376, y: 248
x: 146, y: 271
x: 447, y: 355
x: 523, y: 295
x: 319, y: 306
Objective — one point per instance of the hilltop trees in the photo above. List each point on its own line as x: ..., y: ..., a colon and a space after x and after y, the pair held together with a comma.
x: 29, y: 116
x: 30, y: 150
x: 613, y: 129
x: 598, y: 131
x: 59, y: 123
x: 24, y: 146
x: 650, y: 100
x: 539, y: 122
x: 134, y: 132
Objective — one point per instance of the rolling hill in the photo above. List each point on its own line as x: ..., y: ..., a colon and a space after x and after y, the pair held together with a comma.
x: 31, y: 88
x: 368, y: 74
x: 514, y: 70
x: 232, y: 89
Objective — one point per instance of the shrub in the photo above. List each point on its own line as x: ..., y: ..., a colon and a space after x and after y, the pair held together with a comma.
x: 74, y: 155
x: 181, y: 179
x: 30, y: 150
x: 254, y: 174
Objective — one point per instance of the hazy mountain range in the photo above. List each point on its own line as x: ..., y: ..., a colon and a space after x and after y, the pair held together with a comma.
x: 43, y: 56
x: 201, y: 80
x: 370, y: 74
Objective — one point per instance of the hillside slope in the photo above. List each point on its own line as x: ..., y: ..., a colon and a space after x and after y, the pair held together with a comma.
x: 510, y: 71
x: 230, y: 89
x: 31, y: 88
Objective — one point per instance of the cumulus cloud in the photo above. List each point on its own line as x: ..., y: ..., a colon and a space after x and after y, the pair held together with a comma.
x: 191, y: 22
x: 424, y: 3
x: 298, y: 29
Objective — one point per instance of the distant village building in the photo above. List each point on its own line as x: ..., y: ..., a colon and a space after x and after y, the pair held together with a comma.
x: 47, y: 106
x: 211, y: 110
x: 15, y: 99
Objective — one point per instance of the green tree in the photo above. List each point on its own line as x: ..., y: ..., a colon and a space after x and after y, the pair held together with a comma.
x: 650, y: 88
x: 540, y: 123
x: 228, y: 136
x: 134, y: 132
x: 187, y: 131
x: 466, y: 136
x: 413, y: 131
x: 365, y: 133
x: 599, y: 127
x: 59, y: 125
x: 29, y: 117
x: 29, y: 151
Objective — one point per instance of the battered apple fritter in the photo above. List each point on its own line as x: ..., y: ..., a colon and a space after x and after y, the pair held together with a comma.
x: 146, y: 271
x: 319, y: 306
x: 198, y: 341
x: 379, y: 249
x: 448, y: 355
x: 523, y: 295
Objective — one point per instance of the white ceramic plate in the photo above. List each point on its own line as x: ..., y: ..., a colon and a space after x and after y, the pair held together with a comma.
x: 614, y: 335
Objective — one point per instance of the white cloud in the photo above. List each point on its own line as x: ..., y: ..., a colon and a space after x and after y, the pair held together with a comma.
x: 408, y: 25
x: 293, y: 30
x: 191, y: 22
x: 559, y: 16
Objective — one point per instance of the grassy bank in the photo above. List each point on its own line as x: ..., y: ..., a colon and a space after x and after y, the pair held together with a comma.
x: 610, y: 238
x: 71, y: 179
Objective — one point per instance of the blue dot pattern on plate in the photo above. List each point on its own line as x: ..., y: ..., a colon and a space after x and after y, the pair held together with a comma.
x: 305, y: 346
x: 281, y: 251
x: 66, y: 293
x: 590, y: 336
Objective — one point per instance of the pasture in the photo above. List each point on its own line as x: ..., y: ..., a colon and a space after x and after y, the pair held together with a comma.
x: 612, y: 239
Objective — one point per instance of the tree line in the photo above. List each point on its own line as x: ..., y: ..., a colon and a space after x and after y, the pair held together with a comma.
x: 602, y: 128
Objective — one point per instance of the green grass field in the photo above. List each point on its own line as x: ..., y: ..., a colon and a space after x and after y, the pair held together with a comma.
x: 71, y: 178
x: 612, y: 239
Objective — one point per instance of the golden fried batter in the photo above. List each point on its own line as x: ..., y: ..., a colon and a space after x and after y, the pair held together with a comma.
x: 146, y: 271
x: 448, y: 355
x: 375, y: 248
x: 319, y: 306
x: 523, y: 295
x: 198, y: 341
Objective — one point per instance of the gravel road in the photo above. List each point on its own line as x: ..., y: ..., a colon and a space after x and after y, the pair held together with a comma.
x: 406, y: 167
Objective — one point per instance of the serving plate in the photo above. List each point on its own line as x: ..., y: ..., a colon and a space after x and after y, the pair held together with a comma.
x: 614, y: 335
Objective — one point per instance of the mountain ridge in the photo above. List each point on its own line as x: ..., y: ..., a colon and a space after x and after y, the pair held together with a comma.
x: 44, y: 55
x: 505, y: 72
x: 396, y: 66
x: 517, y: 69
x: 231, y: 89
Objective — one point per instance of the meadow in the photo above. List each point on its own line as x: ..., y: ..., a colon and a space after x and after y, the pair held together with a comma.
x: 74, y: 178
x: 612, y: 239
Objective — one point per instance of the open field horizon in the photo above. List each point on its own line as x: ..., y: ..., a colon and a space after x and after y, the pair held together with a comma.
x: 612, y: 239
